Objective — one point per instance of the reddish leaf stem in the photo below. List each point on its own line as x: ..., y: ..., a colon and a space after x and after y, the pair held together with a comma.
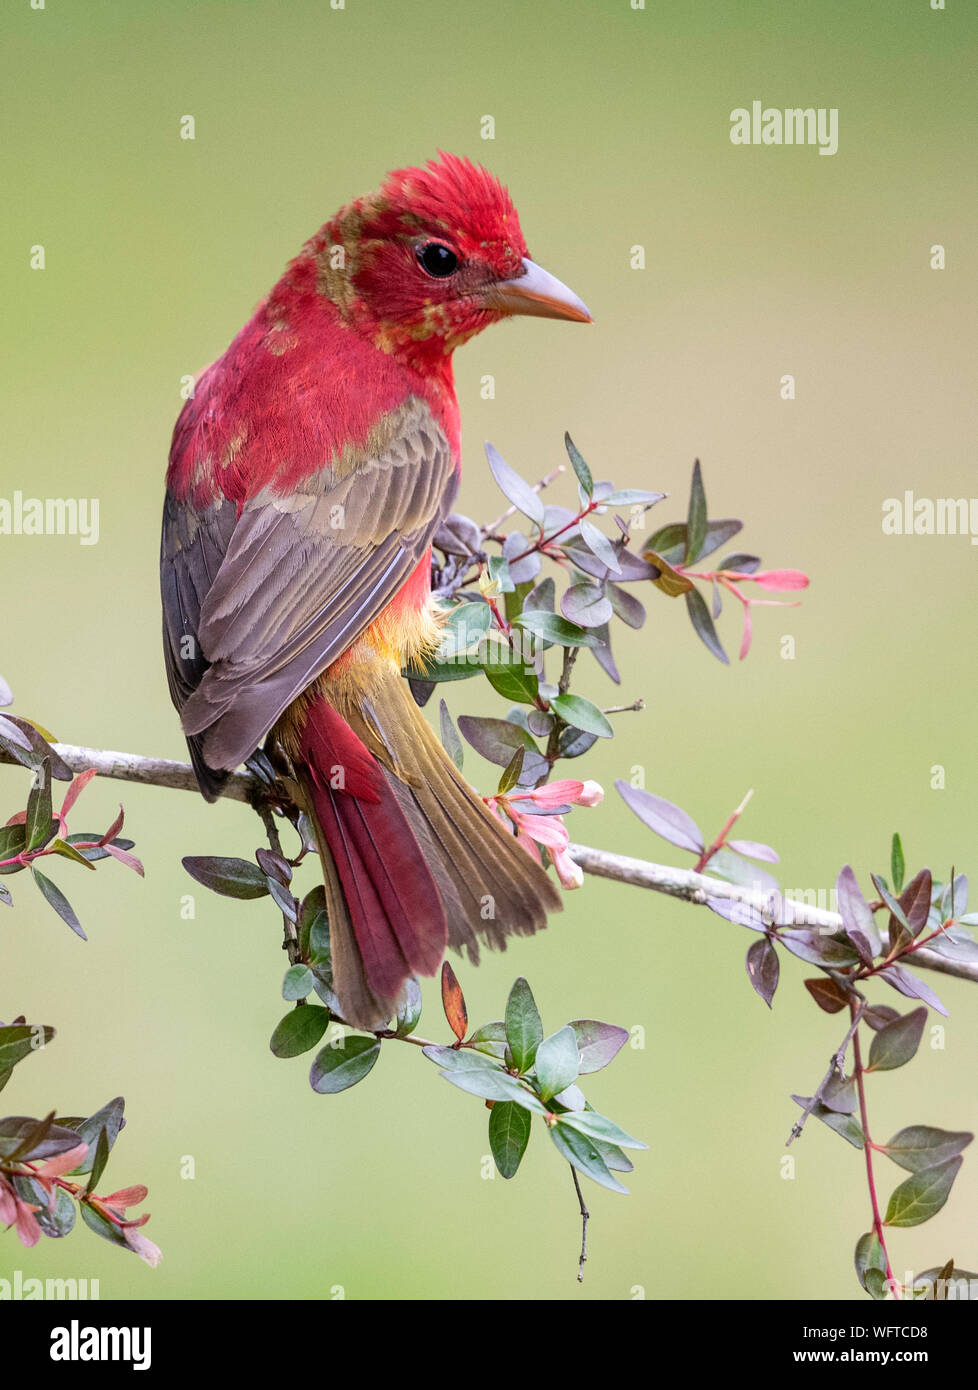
x: 868, y: 1151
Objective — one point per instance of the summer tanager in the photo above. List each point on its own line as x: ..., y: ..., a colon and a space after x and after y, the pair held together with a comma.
x: 308, y: 474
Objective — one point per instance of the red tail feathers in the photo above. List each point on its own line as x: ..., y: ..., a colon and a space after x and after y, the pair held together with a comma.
x: 389, y: 893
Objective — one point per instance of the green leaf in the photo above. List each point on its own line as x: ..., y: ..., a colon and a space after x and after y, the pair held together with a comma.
x: 282, y: 898
x: 699, y: 616
x: 856, y: 916
x: 511, y: 772
x: 96, y: 1222
x: 870, y: 1260
x: 919, y: 1146
x: 584, y: 1155
x: 319, y: 947
x: 921, y: 1196
x: 232, y: 878
x: 509, y: 1134
x: 524, y: 1030
x: 22, y: 1138
x: 582, y: 714
x: 513, y: 603
x: 464, y: 628
x: 840, y: 1095
x: 597, y: 1126
x: 557, y: 1064
x: 905, y: 982
x: 896, y: 1044
x: 600, y: 546
x: 541, y: 596
x: 899, y: 929
x: 410, y: 1011
x: 479, y: 1075
x: 499, y: 573
x: 915, y: 901
x: 495, y: 739
x: 108, y: 1121
x: 58, y: 901
x: 667, y: 544
x: 338, y: 1068
x: 582, y: 471
x: 56, y: 1223
x: 846, y: 1126
x: 587, y: 605
x: 68, y: 851
x: 490, y: 1039
x: 551, y: 627
x: 808, y: 943
x: 897, y: 863
x: 40, y: 750
x: 298, y: 982
x: 19, y: 1040
x: 312, y: 905
x: 631, y: 497
x: 511, y: 679
x: 461, y: 669
x: 696, y: 517
x: 39, y: 825
x: 763, y: 968
x: 663, y: 817
x: 513, y: 487
x: 946, y: 1284
x: 615, y: 1158
x: 100, y: 1159
x: 299, y: 1030
x: 13, y: 839
x: 597, y: 1043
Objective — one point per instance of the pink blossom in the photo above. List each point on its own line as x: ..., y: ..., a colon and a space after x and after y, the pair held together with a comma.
x: 8, y: 1203
x: 570, y: 874
x: 592, y: 794
x: 564, y: 792
x: 780, y: 579
x: 126, y: 1197
x: 61, y: 1163
x: 143, y: 1247
x: 534, y: 830
x: 551, y: 832
x: 28, y: 1230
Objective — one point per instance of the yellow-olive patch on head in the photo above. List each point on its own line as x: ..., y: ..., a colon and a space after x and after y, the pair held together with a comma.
x: 415, y: 262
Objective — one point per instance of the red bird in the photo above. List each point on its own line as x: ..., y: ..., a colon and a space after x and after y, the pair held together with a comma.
x: 308, y: 474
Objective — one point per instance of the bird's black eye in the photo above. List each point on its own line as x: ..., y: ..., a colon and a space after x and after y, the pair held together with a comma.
x: 437, y: 259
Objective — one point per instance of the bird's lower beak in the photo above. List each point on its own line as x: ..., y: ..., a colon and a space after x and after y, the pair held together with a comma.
x: 537, y: 292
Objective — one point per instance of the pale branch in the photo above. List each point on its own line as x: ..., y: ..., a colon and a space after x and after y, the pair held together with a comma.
x: 772, y: 908
x: 686, y: 884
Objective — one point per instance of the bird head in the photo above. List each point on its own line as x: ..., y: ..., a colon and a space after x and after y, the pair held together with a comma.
x: 433, y: 257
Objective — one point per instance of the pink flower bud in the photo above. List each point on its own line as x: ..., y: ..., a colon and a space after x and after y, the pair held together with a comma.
x: 143, y: 1247
x: 570, y: 874
x: 556, y: 793
x: 780, y: 579
x: 592, y: 794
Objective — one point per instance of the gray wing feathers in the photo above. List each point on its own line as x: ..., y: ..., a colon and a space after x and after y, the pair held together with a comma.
x: 282, y: 593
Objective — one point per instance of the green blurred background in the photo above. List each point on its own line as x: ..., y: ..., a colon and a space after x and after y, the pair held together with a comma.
x: 611, y: 129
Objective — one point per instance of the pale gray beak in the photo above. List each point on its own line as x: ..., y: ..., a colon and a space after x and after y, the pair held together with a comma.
x: 537, y: 292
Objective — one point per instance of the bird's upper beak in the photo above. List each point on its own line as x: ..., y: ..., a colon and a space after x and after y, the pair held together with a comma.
x: 537, y: 292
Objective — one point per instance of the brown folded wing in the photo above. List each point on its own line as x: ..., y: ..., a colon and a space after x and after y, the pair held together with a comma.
x: 256, y: 607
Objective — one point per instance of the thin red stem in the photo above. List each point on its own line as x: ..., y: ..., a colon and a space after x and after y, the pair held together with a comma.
x: 720, y: 840
x: 548, y: 540
x: 868, y: 1151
